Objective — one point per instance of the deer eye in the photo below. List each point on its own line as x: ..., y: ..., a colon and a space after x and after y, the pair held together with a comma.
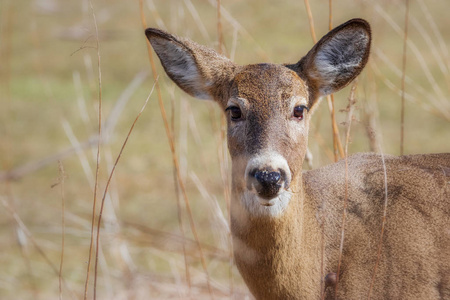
x: 235, y: 112
x: 298, y: 111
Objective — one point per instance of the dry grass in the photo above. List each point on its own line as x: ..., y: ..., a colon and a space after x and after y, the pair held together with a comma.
x: 49, y: 90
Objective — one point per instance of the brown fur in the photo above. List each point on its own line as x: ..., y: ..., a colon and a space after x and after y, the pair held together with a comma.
x: 279, y: 255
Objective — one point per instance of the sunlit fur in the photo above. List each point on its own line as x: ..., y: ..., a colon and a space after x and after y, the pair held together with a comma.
x: 278, y: 243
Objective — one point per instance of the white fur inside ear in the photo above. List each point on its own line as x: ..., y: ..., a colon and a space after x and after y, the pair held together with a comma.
x: 339, y: 58
x: 181, y: 66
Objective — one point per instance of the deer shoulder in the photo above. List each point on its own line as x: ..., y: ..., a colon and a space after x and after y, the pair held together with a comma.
x: 414, y: 191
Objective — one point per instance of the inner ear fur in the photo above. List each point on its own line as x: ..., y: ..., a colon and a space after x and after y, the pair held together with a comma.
x: 198, y: 70
x: 336, y: 59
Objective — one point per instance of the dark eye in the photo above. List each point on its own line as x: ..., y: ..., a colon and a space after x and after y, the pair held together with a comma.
x: 235, y: 112
x: 298, y: 111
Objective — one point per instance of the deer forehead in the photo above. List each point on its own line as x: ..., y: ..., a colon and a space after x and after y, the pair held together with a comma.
x: 269, y: 87
x: 267, y: 95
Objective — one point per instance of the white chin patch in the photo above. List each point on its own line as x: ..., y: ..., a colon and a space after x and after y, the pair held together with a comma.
x: 260, y: 207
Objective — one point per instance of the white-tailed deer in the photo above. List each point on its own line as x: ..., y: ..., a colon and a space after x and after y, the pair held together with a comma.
x: 279, y: 214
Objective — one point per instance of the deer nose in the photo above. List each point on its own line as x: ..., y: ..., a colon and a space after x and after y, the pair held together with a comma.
x: 267, y: 183
x: 267, y: 178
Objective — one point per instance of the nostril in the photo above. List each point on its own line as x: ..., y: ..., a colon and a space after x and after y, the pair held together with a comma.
x: 265, y: 177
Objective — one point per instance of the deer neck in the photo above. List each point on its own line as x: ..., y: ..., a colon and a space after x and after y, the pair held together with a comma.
x: 278, y: 256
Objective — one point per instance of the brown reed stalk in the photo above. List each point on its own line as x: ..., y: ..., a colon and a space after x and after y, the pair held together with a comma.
x: 370, y: 110
x: 241, y: 29
x: 350, y: 108
x: 440, y: 59
x: 195, y: 15
x: 179, y: 212
x: 168, y: 239
x: 322, y: 225
x: 383, y: 223
x: 180, y: 223
x: 434, y: 28
x: 107, y: 186
x: 226, y: 189
x: 223, y: 153
x: 97, y: 168
x: 7, y: 14
x: 330, y: 14
x: 176, y: 172
x: 337, y: 145
x: 41, y: 252
x: 219, y: 28
x: 174, y: 156
x: 402, y: 121
x: 426, y: 108
x: 311, y: 21
x: 62, y: 176
x: 110, y: 123
x: 439, y: 100
x: 22, y: 241
x: 222, y: 159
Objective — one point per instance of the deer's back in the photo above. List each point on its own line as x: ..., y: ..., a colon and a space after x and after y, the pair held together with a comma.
x: 415, y: 254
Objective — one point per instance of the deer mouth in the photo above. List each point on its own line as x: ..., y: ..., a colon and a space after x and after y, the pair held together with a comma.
x: 265, y: 202
x: 258, y: 206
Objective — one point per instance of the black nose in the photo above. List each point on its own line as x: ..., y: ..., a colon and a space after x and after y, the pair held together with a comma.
x: 267, y: 178
x: 267, y: 183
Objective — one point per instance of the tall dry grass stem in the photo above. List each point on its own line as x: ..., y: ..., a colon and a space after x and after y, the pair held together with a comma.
x: 337, y: 145
x: 198, y: 20
x: 7, y: 13
x: 349, y: 109
x: 383, y: 223
x: 108, y: 184
x: 219, y: 29
x: 322, y: 240
x: 174, y: 156
x: 61, y: 180
x: 330, y: 14
x: 178, y: 200
x: 78, y: 147
x: 437, y: 33
x: 41, y: 252
x: 97, y: 168
x: 439, y: 100
x: 370, y: 111
x: 402, y: 116
x: 311, y: 21
x: 435, y: 110
x: 223, y: 161
x: 233, y: 22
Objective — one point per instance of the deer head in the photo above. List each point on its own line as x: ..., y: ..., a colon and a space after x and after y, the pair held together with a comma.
x: 268, y: 106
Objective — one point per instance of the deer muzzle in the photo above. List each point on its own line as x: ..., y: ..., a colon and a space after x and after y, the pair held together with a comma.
x: 267, y: 184
x: 267, y: 176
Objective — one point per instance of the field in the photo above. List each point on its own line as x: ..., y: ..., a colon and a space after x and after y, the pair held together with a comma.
x: 164, y: 227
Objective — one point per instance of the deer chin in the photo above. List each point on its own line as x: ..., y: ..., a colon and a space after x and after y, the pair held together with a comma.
x: 260, y: 207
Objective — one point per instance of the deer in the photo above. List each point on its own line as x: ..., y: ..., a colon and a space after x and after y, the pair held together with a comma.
x: 286, y: 223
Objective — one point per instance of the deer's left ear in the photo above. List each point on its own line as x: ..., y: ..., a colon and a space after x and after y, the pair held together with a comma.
x: 336, y: 59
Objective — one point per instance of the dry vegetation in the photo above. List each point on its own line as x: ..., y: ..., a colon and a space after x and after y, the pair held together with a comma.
x: 49, y: 91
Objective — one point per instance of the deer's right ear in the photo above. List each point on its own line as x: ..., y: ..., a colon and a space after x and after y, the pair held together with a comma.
x: 196, y: 69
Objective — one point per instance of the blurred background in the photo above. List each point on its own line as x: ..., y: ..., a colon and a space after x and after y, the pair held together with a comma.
x: 164, y: 229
